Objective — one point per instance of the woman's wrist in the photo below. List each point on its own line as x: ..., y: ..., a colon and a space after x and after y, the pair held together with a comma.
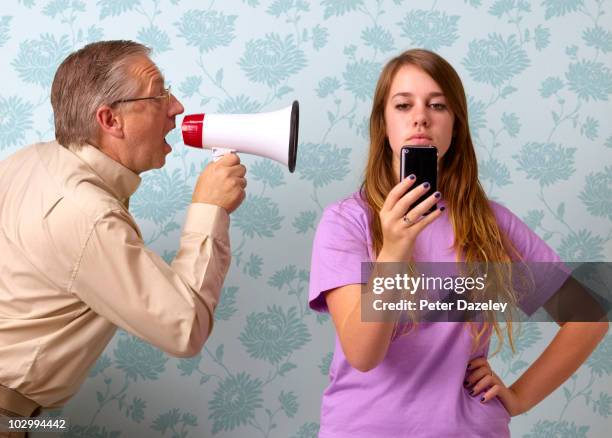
x: 387, y: 255
x: 522, y: 403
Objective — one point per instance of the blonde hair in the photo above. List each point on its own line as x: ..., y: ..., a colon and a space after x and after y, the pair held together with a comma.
x: 94, y: 75
x: 478, y: 237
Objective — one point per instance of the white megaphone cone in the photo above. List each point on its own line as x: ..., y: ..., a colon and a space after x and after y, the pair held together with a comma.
x: 272, y: 135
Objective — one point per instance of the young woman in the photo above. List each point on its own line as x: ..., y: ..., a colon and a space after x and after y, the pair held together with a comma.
x: 435, y: 380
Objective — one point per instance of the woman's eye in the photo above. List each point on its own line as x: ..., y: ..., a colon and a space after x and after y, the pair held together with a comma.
x: 402, y: 106
x: 438, y: 106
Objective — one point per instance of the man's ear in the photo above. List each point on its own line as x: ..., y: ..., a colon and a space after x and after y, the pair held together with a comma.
x: 109, y: 121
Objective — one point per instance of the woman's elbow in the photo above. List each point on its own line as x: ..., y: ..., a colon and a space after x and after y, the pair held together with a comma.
x: 364, y: 367
x: 599, y: 329
x: 363, y: 356
x: 595, y: 331
x: 363, y: 362
x: 602, y: 328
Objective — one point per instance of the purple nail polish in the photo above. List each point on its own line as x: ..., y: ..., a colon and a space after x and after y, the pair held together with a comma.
x: 412, y: 177
x: 472, y: 392
x: 465, y: 382
x: 426, y: 185
x: 437, y: 194
x: 442, y: 209
x: 481, y: 399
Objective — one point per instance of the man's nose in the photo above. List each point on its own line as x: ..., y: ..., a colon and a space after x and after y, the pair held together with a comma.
x: 176, y: 107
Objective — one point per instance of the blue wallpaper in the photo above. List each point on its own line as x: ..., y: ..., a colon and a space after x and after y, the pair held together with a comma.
x: 539, y: 80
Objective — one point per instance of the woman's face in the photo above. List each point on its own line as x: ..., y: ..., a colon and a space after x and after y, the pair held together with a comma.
x: 416, y: 113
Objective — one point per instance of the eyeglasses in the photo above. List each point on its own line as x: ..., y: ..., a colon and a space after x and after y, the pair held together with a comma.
x: 165, y: 95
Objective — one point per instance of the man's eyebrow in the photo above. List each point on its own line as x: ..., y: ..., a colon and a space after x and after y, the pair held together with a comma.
x: 159, y: 80
x: 408, y: 94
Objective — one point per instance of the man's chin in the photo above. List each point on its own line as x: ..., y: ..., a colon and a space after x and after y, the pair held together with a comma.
x: 158, y: 163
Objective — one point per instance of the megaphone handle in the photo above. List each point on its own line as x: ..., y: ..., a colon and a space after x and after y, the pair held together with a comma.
x: 219, y: 152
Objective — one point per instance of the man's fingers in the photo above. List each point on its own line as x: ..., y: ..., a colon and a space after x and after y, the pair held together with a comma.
x: 237, y: 170
x: 229, y: 159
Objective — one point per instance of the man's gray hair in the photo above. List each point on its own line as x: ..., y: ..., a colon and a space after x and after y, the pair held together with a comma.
x: 94, y: 75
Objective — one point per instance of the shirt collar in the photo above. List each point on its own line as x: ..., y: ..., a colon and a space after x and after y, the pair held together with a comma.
x: 120, y: 180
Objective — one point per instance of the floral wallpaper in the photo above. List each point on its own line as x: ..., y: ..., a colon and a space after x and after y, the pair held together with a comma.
x: 539, y: 82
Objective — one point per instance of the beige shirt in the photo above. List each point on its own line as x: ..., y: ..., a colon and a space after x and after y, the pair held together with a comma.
x: 73, y: 267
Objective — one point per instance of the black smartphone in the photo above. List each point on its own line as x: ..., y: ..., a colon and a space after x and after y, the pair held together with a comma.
x: 422, y: 161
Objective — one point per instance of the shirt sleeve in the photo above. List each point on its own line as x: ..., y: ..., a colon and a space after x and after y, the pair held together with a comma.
x: 169, y: 306
x: 340, y: 246
x: 545, y: 270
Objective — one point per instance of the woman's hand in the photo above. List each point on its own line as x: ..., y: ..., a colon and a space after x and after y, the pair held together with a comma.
x: 485, y: 384
x: 400, y: 223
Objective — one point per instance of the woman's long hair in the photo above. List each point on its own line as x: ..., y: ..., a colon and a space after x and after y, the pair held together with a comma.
x: 478, y: 237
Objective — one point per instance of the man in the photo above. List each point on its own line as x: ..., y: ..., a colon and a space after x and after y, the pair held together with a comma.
x: 74, y: 265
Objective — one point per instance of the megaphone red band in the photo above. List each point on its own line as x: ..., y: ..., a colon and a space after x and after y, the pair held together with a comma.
x: 192, y: 130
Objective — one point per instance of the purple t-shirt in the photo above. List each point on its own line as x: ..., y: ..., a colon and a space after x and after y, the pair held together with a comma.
x: 417, y: 390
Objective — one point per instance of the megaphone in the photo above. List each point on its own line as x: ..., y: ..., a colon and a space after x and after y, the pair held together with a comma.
x: 272, y: 135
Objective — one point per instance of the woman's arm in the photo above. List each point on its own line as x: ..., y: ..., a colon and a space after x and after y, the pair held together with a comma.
x: 571, y: 346
x: 365, y: 343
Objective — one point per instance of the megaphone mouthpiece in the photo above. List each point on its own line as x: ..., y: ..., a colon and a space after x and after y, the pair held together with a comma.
x: 192, y: 130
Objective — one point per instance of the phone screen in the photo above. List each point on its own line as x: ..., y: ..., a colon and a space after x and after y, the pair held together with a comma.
x: 422, y: 161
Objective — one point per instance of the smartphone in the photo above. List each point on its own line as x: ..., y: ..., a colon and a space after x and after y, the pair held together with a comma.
x: 422, y: 161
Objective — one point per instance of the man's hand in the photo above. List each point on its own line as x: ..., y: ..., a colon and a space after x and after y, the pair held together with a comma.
x: 222, y: 183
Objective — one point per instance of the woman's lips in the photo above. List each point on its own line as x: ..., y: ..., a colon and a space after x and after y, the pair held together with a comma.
x: 419, y: 140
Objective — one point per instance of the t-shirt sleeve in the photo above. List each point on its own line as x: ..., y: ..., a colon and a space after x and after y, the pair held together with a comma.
x: 547, y: 271
x: 340, y: 246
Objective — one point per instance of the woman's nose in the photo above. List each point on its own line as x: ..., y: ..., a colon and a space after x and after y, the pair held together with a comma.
x: 420, y: 120
x: 419, y: 116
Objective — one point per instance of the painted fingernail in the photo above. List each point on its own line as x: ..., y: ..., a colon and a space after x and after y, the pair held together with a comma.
x: 426, y: 185
x: 442, y: 209
x: 465, y: 382
x: 472, y: 392
x: 481, y: 399
x: 437, y: 194
x: 468, y: 367
x: 412, y: 177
